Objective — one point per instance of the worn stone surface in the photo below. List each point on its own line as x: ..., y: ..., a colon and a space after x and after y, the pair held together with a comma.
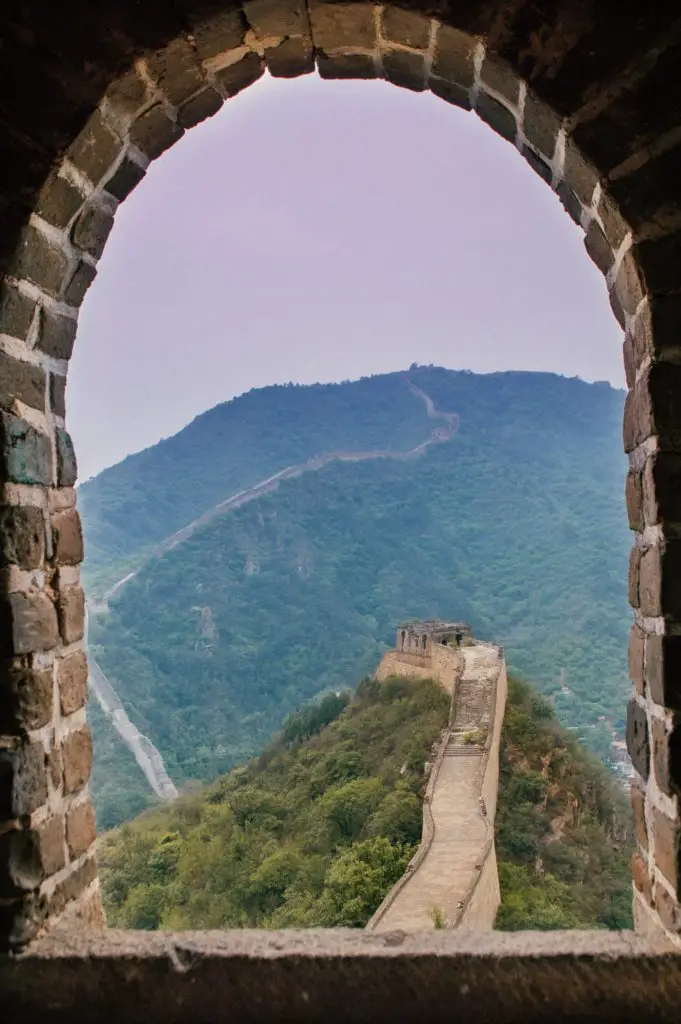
x: 51, y: 847
x: 95, y: 149
x: 56, y: 334
x: 638, y: 799
x: 23, y: 782
x: 80, y: 828
x: 59, y: 201
x: 635, y: 658
x: 241, y: 73
x: 78, y: 283
x: 40, y: 262
x: 16, y: 311
x: 540, y: 124
x: 454, y: 56
x: 663, y: 670
x: 28, y: 623
x: 92, y: 229
x: 26, y: 696
x: 67, y: 467
x: 666, y: 846
x: 292, y: 57
x: 77, y: 758
x: 67, y: 537
x: 205, y: 104
x: 405, y: 27
x: 22, y: 536
x: 124, y: 178
x: 637, y: 738
x: 72, y: 682
x: 401, y: 67
x: 497, y: 116
x: 20, y: 381
x: 71, y: 613
x: 20, y: 868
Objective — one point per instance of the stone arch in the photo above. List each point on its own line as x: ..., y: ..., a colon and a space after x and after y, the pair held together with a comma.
x: 585, y: 93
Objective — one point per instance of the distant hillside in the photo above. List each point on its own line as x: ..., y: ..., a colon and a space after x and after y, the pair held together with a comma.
x: 317, y: 829
x: 515, y: 524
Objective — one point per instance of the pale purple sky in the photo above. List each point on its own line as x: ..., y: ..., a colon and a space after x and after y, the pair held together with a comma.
x: 318, y: 231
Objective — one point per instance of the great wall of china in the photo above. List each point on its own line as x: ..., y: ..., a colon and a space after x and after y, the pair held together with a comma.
x: 452, y: 880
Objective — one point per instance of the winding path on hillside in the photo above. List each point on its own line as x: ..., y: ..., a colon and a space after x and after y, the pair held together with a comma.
x: 450, y: 866
x: 146, y: 755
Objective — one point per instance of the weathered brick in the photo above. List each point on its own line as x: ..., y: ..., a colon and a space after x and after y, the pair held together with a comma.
x: 198, y: 108
x: 59, y: 201
x: 176, y: 70
x: 20, y: 867
x: 661, y: 489
x: 81, y: 831
x: 58, y: 394
x: 67, y: 467
x: 570, y: 203
x: 627, y: 285
x: 20, y: 381
x: 663, y: 755
x: 406, y: 69
x: 218, y: 32
x: 270, y: 18
x: 653, y: 406
x: 658, y: 264
x: 497, y: 116
x: 77, y: 759
x: 540, y: 125
x: 346, y: 65
x: 292, y: 57
x: 663, y: 670
x: 614, y: 223
x: 40, y: 261
x: 450, y: 92
x: 405, y: 27
x: 54, y: 767
x: 67, y: 535
x: 339, y: 25
x: 71, y: 887
x: 638, y: 802
x: 635, y: 658
x: 79, y: 282
x: 578, y: 175
x: 667, y: 908
x: 26, y: 696
x: 666, y: 846
x: 95, y: 149
x: 16, y: 311
x: 56, y: 334
x: 22, y: 536
x: 634, y: 500
x: 500, y: 78
x: 637, y: 738
x: 650, y: 582
x: 538, y: 165
x: 124, y: 178
x: 633, y: 576
x: 641, y: 876
x: 52, y: 851
x: 71, y: 613
x: 72, y: 680
x: 21, y: 920
x: 240, y: 74
x: 153, y: 132
x: 92, y: 229
x: 23, y: 782
x: 27, y: 623
x: 454, y: 57
x: 127, y: 93
x: 598, y: 247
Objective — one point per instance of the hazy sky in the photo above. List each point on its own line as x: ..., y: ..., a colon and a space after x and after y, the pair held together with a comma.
x: 317, y: 231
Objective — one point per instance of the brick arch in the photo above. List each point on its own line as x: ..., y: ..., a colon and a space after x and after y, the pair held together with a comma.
x: 577, y: 92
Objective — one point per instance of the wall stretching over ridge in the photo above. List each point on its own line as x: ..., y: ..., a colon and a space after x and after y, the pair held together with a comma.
x: 452, y: 880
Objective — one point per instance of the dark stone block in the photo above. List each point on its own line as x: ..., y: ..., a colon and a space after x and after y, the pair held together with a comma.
x: 67, y: 537
x: 204, y: 104
x: 20, y: 867
x: 540, y: 125
x: 28, y: 623
x: 500, y: 78
x: 497, y: 116
x: 666, y: 846
x: 25, y: 452
x: 241, y: 74
x: 451, y: 92
x: 405, y: 27
x: 637, y: 738
x: 67, y: 467
x: 538, y: 165
x: 405, y: 69
x: 454, y: 57
x: 153, y: 132
x: 58, y: 395
x: 71, y: 613
x: 40, y: 262
x: 286, y: 18
x: 22, y: 381
x: 23, y: 782
x: 290, y: 58
x: 59, y: 201
x: 16, y: 311
x: 92, y: 229
x: 663, y: 670
x: 598, y: 247
x: 26, y: 696
x: 127, y: 175
x: 80, y: 281
x: 22, y: 536
x: 56, y: 334
x: 346, y: 65
x: 95, y: 149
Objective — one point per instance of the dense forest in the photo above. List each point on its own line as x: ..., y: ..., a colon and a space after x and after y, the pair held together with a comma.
x: 516, y: 525
x: 316, y: 830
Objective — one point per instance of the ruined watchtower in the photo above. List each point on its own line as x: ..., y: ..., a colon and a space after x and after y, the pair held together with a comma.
x: 419, y: 637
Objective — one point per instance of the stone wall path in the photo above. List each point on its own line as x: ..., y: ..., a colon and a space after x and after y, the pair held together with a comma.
x: 444, y: 879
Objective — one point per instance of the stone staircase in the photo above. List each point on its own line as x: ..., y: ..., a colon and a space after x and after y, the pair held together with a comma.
x: 441, y: 882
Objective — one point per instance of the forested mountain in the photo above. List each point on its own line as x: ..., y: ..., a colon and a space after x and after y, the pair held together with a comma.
x: 317, y: 829
x: 515, y: 523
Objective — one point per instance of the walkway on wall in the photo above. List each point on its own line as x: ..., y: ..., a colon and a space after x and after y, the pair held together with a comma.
x: 442, y: 882
x: 145, y: 753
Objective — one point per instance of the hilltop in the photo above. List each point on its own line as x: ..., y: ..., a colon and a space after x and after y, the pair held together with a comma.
x: 515, y: 519
x: 317, y: 829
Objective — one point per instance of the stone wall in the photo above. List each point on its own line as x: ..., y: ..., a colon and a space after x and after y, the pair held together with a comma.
x: 443, y: 664
x: 586, y: 93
